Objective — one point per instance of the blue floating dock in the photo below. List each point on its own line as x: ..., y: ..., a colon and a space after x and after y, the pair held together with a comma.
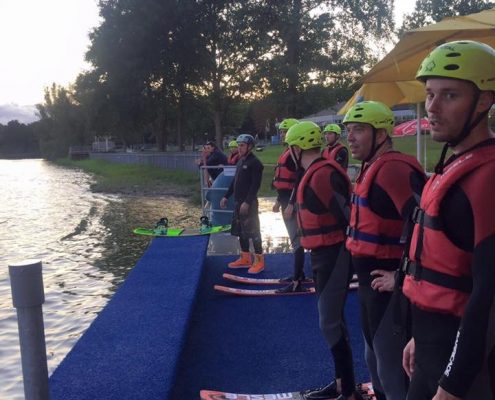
x: 166, y: 334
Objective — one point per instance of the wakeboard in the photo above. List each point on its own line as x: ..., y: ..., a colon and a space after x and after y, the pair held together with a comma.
x: 162, y: 229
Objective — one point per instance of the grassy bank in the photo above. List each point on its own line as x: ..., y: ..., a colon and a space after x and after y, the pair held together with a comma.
x: 138, y: 179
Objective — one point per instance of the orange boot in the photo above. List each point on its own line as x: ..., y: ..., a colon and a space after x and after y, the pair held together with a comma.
x: 244, y: 261
x: 258, y: 264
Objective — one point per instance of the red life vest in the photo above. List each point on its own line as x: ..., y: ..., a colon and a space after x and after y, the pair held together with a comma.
x: 330, y: 152
x: 439, y: 273
x: 318, y: 230
x: 369, y: 234
x: 233, y: 158
x: 284, y: 178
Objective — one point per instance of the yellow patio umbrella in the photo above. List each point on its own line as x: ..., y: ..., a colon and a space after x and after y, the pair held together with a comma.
x: 392, y: 80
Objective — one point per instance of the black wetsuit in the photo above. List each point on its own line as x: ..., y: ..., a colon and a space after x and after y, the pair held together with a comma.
x: 245, y: 188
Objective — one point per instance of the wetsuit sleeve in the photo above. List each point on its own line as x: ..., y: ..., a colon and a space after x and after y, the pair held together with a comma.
x: 404, y: 186
x: 230, y: 190
x: 342, y: 157
x: 256, y: 174
x: 477, y: 330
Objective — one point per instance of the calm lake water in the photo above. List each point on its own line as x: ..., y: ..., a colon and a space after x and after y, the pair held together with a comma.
x: 85, y: 242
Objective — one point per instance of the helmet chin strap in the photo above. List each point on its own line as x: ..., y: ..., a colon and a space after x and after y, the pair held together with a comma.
x: 374, y: 147
x: 464, y: 133
x: 297, y: 160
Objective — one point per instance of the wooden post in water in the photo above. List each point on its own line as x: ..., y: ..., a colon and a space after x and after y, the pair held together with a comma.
x: 26, y: 282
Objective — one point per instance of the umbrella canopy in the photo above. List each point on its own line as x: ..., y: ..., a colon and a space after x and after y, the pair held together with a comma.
x: 409, y: 128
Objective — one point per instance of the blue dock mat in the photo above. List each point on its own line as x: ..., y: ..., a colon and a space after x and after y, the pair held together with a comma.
x: 259, y: 345
x: 131, y: 349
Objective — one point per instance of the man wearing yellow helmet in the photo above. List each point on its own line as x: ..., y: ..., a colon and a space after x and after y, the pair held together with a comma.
x: 335, y: 150
x: 450, y: 266
x: 386, y: 191
x: 234, y: 153
x: 322, y: 214
x: 284, y: 181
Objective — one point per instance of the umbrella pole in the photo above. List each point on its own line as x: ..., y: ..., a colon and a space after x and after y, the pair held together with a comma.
x: 419, y: 148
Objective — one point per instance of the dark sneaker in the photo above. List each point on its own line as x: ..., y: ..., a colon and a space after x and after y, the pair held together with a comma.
x: 295, y: 286
x: 328, y: 392
x: 290, y: 279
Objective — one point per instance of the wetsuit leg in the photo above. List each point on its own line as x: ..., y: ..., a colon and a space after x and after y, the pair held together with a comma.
x: 332, y: 272
x: 291, y: 225
x: 383, y: 347
x: 250, y: 227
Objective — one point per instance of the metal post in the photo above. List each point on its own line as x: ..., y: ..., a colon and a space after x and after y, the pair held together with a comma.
x: 419, y: 148
x: 26, y: 282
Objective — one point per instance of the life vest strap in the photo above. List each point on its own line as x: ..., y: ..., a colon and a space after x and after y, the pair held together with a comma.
x: 420, y: 272
x: 321, y: 230
x: 419, y: 216
x: 359, y: 201
x: 368, y: 237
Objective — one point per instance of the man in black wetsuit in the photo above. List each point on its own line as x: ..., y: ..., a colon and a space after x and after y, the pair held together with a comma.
x: 450, y: 277
x: 245, y: 221
x: 386, y: 191
x: 322, y: 203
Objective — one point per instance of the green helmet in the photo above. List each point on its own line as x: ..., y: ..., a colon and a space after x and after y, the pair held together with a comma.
x: 233, y: 144
x: 287, y: 123
x: 305, y: 134
x: 463, y: 59
x: 377, y: 114
x: 332, y: 128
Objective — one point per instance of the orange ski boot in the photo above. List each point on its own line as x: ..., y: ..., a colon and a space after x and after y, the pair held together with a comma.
x: 244, y: 261
x: 258, y: 264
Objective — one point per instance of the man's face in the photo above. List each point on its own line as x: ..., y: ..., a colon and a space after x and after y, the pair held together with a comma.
x: 208, y: 148
x: 243, y: 149
x: 330, y: 137
x: 448, y: 102
x: 360, y: 139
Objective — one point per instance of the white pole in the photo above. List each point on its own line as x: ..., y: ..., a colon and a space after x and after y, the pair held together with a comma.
x: 26, y: 282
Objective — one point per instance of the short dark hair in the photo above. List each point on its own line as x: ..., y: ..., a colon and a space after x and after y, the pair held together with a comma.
x: 211, y: 143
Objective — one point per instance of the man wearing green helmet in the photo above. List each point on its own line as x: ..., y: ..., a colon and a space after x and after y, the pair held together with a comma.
x: 387, y: 189
x: 284, y: 181
x: 322, y: 200
x: 335, y: 150
x: 450, y: 274
x: 234, y: 153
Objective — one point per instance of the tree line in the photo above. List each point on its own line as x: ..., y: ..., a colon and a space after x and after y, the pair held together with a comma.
x: 168, y: 71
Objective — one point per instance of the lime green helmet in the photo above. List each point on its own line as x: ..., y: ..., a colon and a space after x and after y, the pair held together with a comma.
x: 463, y: 59
x: 233, y: 144
x: 287, y: 123
x: 377, y: 114
x: 332, y: 128
x: 305, y: 134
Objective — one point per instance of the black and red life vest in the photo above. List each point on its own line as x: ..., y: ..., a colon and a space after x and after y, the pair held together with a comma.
x: 284, y: 178
x: 233, y: 158
x: 318, y: 230
x: 438, y: 272
x: 370, y: 235
x: 330, y: 152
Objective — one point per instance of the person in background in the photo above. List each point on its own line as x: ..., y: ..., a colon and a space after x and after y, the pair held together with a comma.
x: 234, y: 153
x: 450, y: 273
x: 335, y: 150
x: 212, y: 156
x: 245, y: 221
x: 386, y: 192
x: 323, y: 207
x: 284, y: 181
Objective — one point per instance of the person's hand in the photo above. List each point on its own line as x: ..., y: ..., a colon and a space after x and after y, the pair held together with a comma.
x: 384, y: 281
x: 408, y: 358
x: 289, y: 210
x: 244, y: 209
x: 223, y: 202
x: 276, y: 207
x: 443, y: 395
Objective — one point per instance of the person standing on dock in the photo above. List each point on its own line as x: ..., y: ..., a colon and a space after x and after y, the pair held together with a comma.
x: 245, y: 221
x: 284, y: 181
x: 323, y: 207
x: 450, y: 274
x: 386, y: 192
x: 334, y: 150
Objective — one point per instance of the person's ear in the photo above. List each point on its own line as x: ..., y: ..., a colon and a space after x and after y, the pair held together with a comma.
x: 486, y: 100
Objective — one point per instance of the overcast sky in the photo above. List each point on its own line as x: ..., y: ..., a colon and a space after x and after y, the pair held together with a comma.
x: 44, y: 41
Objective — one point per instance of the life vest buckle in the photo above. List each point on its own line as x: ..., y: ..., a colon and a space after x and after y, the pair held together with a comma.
x: 412, y: 268
x: 417, y: 215
x: 350, y: 232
